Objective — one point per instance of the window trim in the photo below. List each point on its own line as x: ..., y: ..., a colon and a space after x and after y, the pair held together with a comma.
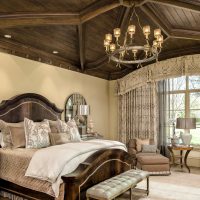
x: 187, y: 109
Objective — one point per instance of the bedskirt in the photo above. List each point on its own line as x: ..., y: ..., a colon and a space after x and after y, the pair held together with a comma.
x: 13, y: 165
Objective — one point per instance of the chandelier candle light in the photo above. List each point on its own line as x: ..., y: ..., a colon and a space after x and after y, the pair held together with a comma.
x: 128, y: 51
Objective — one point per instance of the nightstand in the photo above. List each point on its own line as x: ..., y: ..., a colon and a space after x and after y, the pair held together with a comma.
x: 90, y: 136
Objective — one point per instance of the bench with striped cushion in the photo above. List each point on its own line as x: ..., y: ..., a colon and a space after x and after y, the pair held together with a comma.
x: 117, y: 185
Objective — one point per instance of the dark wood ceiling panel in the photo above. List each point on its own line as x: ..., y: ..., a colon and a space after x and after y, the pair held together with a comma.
x: 59, y: 38
x: 76, y: 29
x: 96, y: 30
x: 44, y: 5
x: 173, y: 44
x: 176, y: 17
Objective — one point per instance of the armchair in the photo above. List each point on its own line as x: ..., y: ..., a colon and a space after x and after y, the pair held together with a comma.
x: 153, y: 162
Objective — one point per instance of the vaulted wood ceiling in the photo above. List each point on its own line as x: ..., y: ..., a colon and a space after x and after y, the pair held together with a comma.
x: 76, y: 30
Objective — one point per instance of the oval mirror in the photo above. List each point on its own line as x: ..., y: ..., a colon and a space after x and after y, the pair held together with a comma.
x: 76, y: 108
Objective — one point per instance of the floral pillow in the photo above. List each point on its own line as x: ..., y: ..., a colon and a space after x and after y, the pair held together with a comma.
x: 70, y: 127
x: 37, y: 134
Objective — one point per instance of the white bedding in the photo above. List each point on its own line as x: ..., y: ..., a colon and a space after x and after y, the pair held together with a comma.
x: 51, y: 163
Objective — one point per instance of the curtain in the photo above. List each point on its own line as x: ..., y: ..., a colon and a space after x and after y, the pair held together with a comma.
x: 138, y: 113
x: 164, y: 119
x: 170, y: 68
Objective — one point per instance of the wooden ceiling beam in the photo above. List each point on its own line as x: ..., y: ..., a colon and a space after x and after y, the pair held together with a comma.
x: 98, y: 8
x: 177, y: 4
x: 81, y: 39
x: 171, y: 33
x: 185, y: 34
x: 155, y: 19
x: 179, y: 52
x: 8, y: 20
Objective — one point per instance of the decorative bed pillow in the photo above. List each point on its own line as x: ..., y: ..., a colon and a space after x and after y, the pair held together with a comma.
x: 36, y: 134
x: 140, y: 142
x: 17, y: 137
x: 59, y: 138
x: 70, y: 127
x: 6, y: 141
x: 149, y: 148
x: 53, y: 125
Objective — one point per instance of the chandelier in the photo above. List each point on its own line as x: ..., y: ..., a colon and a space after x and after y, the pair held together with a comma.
x: 127, y: 51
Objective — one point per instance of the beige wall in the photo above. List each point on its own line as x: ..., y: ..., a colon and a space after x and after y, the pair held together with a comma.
x: 113, y: 111
x: 19, y: 75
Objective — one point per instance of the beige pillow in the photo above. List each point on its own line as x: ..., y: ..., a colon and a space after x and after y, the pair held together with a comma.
x: 53, y: 125
x: 59, y: 138
x: 6, y: 141
x: 17, y: 136
x: 140, y: 142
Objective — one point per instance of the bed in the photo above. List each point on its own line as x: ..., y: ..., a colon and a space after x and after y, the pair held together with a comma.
x: 99, y: 166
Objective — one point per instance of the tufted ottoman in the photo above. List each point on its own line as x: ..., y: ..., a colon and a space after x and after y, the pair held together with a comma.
x: 115, y: 186
x: 155, y: 164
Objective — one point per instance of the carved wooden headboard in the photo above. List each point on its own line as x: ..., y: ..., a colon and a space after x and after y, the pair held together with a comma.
x: 30, y: 105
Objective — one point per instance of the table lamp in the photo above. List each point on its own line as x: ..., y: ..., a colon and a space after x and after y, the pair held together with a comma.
x: 186, y: 124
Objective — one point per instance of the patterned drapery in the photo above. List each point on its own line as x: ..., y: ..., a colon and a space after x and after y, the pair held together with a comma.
x: 138, y: 113
x: 171, y: 68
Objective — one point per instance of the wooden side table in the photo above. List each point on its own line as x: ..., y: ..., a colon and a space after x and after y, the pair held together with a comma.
x: 181, y: 157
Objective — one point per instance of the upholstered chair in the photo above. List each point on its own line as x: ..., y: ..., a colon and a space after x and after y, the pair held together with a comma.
x: 148, y: 159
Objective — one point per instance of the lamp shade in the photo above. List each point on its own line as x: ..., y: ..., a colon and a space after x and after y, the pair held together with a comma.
x: 186, y: 123
x: 83, y: 110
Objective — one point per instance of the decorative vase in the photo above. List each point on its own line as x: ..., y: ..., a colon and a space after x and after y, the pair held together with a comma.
x: 186, y: 138
x: 175, y: 141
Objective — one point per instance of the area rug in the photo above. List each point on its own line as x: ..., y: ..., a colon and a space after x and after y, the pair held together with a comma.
x: 177, y: 186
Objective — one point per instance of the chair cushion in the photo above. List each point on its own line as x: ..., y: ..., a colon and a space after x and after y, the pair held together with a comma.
x: 140, y: 142
x: 152, y: 159
x: 117, y: 185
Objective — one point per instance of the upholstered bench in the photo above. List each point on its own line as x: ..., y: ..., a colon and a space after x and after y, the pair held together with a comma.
x: 117, y: 185
x: 154, y: 164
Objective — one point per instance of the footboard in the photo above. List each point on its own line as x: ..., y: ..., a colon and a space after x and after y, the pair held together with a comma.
x: 98, y: 167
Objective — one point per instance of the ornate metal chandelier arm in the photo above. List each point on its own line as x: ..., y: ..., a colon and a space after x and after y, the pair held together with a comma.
x: 138, y: 19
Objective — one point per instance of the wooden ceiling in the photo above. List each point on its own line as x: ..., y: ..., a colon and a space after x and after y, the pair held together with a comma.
x: 76, y: 30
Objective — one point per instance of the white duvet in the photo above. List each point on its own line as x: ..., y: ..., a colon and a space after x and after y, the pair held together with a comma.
x: 53, y: 162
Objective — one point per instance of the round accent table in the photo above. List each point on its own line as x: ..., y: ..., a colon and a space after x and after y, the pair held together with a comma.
x: 181, y: 156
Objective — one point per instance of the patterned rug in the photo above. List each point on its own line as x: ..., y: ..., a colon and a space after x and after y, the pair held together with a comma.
x: 177, y: 186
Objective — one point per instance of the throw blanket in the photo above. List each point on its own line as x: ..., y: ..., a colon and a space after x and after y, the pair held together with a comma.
x: 53, y: 162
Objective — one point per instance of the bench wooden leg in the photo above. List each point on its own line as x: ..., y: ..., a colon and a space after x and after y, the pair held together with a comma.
x: 131, y: 193
x: 147, y: 186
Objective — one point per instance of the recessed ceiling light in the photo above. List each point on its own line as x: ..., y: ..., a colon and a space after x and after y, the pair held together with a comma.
x: 7, y: 36
x: 55, y: 52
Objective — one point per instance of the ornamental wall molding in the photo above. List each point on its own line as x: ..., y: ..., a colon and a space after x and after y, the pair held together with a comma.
x: 170, y: 68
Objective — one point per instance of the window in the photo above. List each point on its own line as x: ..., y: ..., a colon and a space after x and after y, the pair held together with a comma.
x: 184, y: 101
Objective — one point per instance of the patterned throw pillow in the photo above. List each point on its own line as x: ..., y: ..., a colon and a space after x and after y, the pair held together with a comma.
x: 149, y: 148
x: 70, y: 127
x: 37, y: 134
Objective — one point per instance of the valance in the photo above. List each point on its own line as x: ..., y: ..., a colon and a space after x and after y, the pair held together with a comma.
x: 170, y: 68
